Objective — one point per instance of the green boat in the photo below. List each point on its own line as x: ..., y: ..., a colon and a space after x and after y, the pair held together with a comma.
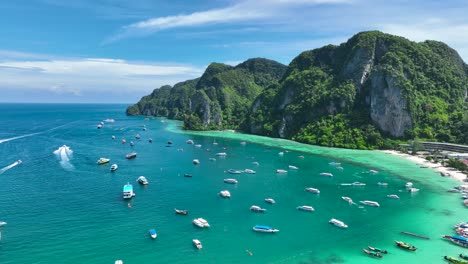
x: 454, y: 260
x: 406, y: 246
x: 464, y: 256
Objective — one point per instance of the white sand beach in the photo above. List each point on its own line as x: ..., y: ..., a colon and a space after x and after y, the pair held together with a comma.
x: 451, y: 172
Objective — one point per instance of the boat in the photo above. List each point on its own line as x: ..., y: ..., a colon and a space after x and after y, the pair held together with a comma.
x: 221, y: 154
x: 370, y: 203
x: 358, y: 184
x: 373, y: 171
x: 455, y: 260
x: 382, y: 183
x: 118, y: 261
x: 459, y: 240
x: 197, y: 243
x: 231, y: 181
x: 99, y: 126
x: 255, y: 208
x: 465, y: 202
x: 132, y: 144
x: 301, y: 157
x: 412, y: 190
x: 195, y: 161
x: 113, y: 137
x: 128, y: 191
x: 326, y: 174
x: 212, y: 159
x: 338, y: 223
x: 225, y: 194
x: 312, y: 190
x: 270, y: 200
x: 152, y: 233
x: 264, y: 229
x: 393, y: 196
x: 197, y: 145
x: 305, y: 208
x: 249, y: 171
x: 281, y: 154
x: 131, y: 155
x: 293, y: 167
x: 109, y: 120
x: 3, y: 223
x: 349, y: 200
x: 142, y: 180
x: 404, y: 245
x: 186, y: 175
x: 333, y: 163
x: 181, y: 212
x: 137, y: 136
x: 372, y: 254
x: 463, y: 256
x: 233, y: 171
x: 281, y: 171
x: 114, y: 167
x: 150, y: 140
x: 102, y: 161
x: 255, y: 163
x: 243, y: 143
x: 200, y: 222
x: 409, y: 185
x: 124, y: 141
x: 377, y: 250
x: 189, y: 141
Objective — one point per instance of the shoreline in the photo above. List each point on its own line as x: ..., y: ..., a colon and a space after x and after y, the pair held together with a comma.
x: 437, y: 167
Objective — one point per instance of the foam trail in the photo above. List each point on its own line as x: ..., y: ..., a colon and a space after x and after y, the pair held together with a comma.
x: 64, y: 153
x: 33, y: 134
x: 10, y: 166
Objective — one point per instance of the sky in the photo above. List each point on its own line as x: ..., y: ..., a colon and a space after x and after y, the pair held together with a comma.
x: 116, y: 51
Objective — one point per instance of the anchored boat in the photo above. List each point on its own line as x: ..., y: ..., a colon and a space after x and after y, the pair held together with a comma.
x: 404, y: 245
x: 264, y: 229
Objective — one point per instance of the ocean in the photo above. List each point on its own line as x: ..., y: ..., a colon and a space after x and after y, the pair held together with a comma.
x: 64, y: 208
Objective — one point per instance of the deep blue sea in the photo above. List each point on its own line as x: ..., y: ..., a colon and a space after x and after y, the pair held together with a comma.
x: 67, y: 209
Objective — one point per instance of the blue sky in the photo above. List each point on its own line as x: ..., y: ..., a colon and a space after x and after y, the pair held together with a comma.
x: 112, y: 51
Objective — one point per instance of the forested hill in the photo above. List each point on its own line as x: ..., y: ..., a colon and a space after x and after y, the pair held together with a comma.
x: 363, y: 93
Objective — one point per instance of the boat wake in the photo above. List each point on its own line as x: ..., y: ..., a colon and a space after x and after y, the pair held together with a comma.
x: 18, y: 137
x: 64, y: 154
x: 10, y: 166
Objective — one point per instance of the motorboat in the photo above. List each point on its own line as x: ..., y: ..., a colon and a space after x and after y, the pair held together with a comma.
x: 152, y: 233
x: 2, y: 223
x: 312, y: 190
x: 301, y: 157
x: 200, y: 222
x: 197, y: 145
x: 109, y: 120
x: 221, y: 154
x: 264, y: 229
x: 349, y: 200
x: 338, y: 223
x: 270, y: 200
x: 370, y: 203
x: 358, y: 184
x: 181, y: 212
x: 119, y: 261
x: 459, y: 240
x: 132, y: 143
x: 233, y: 171
x: 150, y: 140
x: 373, y: 171
x: 255, y: 163
x: 212, y: 159
x: 231, y: 181
x: 197, y: 243
x: 409, y: 185
x: 128, y: 191
x: 170, y: 143
x: 305, y: 208
x: 142, y: 180
x: 326, y: 174
x: 255, y: 208
x: 124, y: 141
x: 249, y: 171
x: 137, y: 136
x: 113, y: 137
x: 114, y: 167
x: 131, y: 155
x: 393, y: 196
x: 455, y: 260
x: 281, y: 154
x: 99, y: 126
x: 243, y: 143
x: 382, y: 183
x: 189, y: 141
x: 377, y: 250
x: 372, y: 254
x: 404, y: 245
x: 225, y: 194
x: 339, y: 168
x: 102, y: 161
x: 281, y: 171
x: 333, y: 163
x: 293, y: 167
x: 412, y: 190
x: 195, y: 161
x: 186, y: 175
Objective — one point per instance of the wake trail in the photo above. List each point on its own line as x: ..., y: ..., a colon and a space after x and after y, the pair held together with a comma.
x: 64, y: 154
x: 33, y: 134
x: 10, y: 166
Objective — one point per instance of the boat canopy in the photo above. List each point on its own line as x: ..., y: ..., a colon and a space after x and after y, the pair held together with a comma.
x: 128, y: 188
x: 461, y: 238
x: 262, y: 227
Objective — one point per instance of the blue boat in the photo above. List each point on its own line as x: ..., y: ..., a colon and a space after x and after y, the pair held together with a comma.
x: 459, y: 240
x: 152, y: 233
x: 264, y: 229
x: 128, y: 191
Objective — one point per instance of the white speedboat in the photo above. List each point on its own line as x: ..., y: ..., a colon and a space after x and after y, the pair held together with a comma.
x: 393, y: 196
x: 281, y: 154
x: 382, y: 184
x: 137, y: 136
x: 221, y: 154
x: 99, y: 126
x: 200, y: 222
x: 153, y: 233
x: 312, y: 190
x: 409, y: 185
x: 113, y: 137
x: 373, y: 171
x: 128, y: 191
x: 249, y: 171
x: 102, y: 161
x: 305, y: 208
x: 338, y: 223
x: 142, y: 180
x: 195, y: 161
x: 189, y: 141
x: 231, y: 181
x: 109, y: 120
x: 333, y: 163
x: 412, y: 190
x: 225, y: 194
x: 293, y: 167
x: 197, y: 243
x: 264, y: 229
x: 119, y: 261
x: 243, y: 143
x: 255, y: 208
x: 3, y: 223
x: 114, y: 167
x: 197, y: 145
x: 281, y: 171
x: 358, y: 184
x: 270, y: 200
x: 370, y: 203
x: 349, y: 200
x: 233, y: 171
x: 326, y: 174
x: 255, y: 163
x: 131, y: 155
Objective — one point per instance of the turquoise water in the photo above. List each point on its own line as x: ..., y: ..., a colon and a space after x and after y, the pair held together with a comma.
x: 72, y: 212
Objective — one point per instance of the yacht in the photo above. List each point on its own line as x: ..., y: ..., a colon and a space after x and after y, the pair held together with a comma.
x: 200, y: 222
x: 281, y: 171
x: 293, y: 167
x: 370, y: 203
x: 233, y: 171
x: 264, y: 229
x: 114, y: 167
x: 221, y: 154
x: 225, y: 194
x: 312, y: 190
x: 103, y: 161
x: 270, y: 200
x: 305, y: 208
x: 232, y: 181
x: 412, y: 190
x: 393, y: 196
x: 255, y: 208
x: 327, y: 174
x: 409, y: 185
x: 349, y: 200
x: 142, y: 180
x: 152, y: 233
x: 197, y: 243
x: 195, y: 161
x: 249, y: 171
x: 189, y: 141
x: 131, y: 155
x: 128, y: 191
x: 338, y: 223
